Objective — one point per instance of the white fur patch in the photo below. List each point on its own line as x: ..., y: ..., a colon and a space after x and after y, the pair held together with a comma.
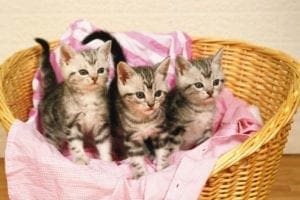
x: 104, y: 150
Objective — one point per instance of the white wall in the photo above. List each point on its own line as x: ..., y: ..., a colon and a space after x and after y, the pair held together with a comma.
x: 270, y: 23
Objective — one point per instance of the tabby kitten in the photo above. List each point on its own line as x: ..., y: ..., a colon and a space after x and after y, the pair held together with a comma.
x: 117, y: 56
x: 77, y: 107
x: 141, y: 112
x: 191, y: 105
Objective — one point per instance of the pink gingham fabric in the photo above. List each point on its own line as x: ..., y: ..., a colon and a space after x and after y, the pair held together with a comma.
x: 36, y: 170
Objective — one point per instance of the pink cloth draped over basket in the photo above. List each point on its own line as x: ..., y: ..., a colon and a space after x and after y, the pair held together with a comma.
x: 36, y: 170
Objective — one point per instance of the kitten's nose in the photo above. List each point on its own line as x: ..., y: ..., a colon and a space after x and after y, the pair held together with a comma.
x: 150, y: 104
x: 94, y: 78
x: 210, y: 92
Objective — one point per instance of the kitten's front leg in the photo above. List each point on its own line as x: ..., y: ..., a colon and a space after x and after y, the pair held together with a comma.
x: 76, y: 145
x: 162, y: 150
x: 103, y: 141
x: 175, y: 138
x: 136, y: 153
x: 162, y: 155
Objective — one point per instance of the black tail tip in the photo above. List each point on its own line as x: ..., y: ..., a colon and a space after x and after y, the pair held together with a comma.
x: 42, y: 42
x: 91, y: 36
x: 101, y: 35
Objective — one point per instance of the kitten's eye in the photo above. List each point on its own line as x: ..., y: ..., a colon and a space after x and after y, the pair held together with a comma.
x: 100, y: 70
x: 216, y: 82
x: 140, y: 95
x: 198, y: 85
x: 83, y: 72
x: 157, y: 93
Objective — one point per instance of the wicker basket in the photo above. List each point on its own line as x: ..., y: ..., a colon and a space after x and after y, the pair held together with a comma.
x: 266, y: 78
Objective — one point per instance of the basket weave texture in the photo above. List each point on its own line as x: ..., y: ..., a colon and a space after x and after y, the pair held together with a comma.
x: 263, y: 77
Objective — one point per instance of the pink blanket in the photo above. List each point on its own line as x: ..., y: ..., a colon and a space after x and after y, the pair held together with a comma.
x: 36, y: 170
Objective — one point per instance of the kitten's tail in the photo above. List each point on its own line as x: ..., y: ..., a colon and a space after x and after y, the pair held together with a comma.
x: 48, y: 75
x: 116, y: 49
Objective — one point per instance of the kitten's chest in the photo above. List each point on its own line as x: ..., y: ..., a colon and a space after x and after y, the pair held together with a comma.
x: 147, y: 129
x: 90, y: 108
x: 201, y: 120
x: 195, y: 129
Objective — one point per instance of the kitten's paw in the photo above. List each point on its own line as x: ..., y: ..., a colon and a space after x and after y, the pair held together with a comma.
x: 138, y: 174
x: 83, y: 160
x: 161, y: 166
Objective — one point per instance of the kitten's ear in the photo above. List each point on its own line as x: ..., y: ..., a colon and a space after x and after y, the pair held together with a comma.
x: 105, y: 48
x: 217, y: 58
x: 124, y: 72
x: 67, y: 53
x: 163, y: 67
x: 182, y: 65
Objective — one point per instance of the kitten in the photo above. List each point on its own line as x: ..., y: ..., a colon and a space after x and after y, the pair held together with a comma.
x: 141, y: 106
x: 191, y: 105
x: 118, y: 56
x: 77, y: 107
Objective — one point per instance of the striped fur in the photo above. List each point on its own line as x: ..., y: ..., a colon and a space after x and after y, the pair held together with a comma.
x: 141, y: 112
x: 191, y: 105
x: 118, y: 56
x: 78, y: 106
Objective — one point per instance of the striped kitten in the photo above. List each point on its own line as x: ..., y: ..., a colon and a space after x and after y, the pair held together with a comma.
x: 141, y: 112
x: 117, y: 56
x: 191, y: 105
x: 77, y: 107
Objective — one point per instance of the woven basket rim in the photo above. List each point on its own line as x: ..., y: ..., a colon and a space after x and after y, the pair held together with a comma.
x: 233, y: 156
